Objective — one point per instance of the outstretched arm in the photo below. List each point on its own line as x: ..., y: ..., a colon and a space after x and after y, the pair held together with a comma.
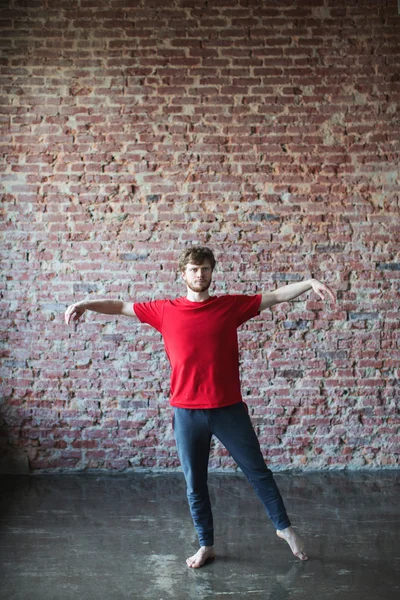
x: 293, y: 290
x: 105, y: 307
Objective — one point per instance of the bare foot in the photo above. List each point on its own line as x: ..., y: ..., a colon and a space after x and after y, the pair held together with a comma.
x: 205, y: 554
x: 295, y: 542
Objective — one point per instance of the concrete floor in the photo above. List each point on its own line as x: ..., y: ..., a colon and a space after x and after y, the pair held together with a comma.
x: 120, y: 537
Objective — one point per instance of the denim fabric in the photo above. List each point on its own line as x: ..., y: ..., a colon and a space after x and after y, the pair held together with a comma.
x: 193, y: 430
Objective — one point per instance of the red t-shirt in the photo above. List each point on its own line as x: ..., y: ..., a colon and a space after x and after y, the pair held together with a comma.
x: 201, y: 343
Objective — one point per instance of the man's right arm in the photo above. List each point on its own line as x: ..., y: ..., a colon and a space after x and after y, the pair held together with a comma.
x: 105, y: 307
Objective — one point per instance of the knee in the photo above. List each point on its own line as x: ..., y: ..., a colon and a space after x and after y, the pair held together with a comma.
x: 261, y: 474
x: 195, y: 494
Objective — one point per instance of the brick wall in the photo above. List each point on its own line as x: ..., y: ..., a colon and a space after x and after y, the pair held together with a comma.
x: 268, y: 130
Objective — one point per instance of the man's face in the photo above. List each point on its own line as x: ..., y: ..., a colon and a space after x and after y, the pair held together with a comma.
x: 198, y: 277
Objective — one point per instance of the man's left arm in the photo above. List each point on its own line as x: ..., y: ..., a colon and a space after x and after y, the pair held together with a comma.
x: 293, y: 290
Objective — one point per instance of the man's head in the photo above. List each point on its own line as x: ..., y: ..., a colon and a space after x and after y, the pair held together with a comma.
x: 196, y: 255
x: 196, y: 265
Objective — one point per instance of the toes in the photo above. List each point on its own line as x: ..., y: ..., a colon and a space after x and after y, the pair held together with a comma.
x: 192, y: 562
x: 198, y: 560
x: 293, y: 543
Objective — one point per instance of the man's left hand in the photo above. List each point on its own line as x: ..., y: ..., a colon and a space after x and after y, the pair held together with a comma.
x: 322, y: 290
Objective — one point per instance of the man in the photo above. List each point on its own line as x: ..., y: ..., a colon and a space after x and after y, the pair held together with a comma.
x: 200, y: 337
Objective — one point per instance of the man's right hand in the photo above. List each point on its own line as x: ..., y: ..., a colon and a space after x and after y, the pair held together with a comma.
x: 74, y: 312
x: 103, y: 306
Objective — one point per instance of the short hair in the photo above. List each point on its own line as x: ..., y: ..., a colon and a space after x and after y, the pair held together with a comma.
x: 196, y: 255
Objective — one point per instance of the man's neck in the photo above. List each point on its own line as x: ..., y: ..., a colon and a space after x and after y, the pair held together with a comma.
x: 197, y: 296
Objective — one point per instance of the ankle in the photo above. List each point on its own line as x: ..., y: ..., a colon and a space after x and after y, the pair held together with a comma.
x: 287, y: 531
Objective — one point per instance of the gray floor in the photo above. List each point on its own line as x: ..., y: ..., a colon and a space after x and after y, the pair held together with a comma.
x: 111, y: 537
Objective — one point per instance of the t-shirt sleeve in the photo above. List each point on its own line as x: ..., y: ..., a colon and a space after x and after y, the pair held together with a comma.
x: 247, y: 307
x: 150, y: 312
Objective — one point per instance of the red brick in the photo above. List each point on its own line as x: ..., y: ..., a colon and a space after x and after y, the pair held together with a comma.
x: 220, y: 116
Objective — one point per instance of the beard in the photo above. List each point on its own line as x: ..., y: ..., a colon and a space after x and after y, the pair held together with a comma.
x: 199, y: 287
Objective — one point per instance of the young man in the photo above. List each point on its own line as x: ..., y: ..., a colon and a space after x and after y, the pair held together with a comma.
x: 200, y: 337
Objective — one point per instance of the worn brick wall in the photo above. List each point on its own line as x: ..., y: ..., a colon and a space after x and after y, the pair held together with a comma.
x: 268, y: 130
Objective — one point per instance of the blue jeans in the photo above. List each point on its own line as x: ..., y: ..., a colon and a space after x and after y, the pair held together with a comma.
x: 193, y: 430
